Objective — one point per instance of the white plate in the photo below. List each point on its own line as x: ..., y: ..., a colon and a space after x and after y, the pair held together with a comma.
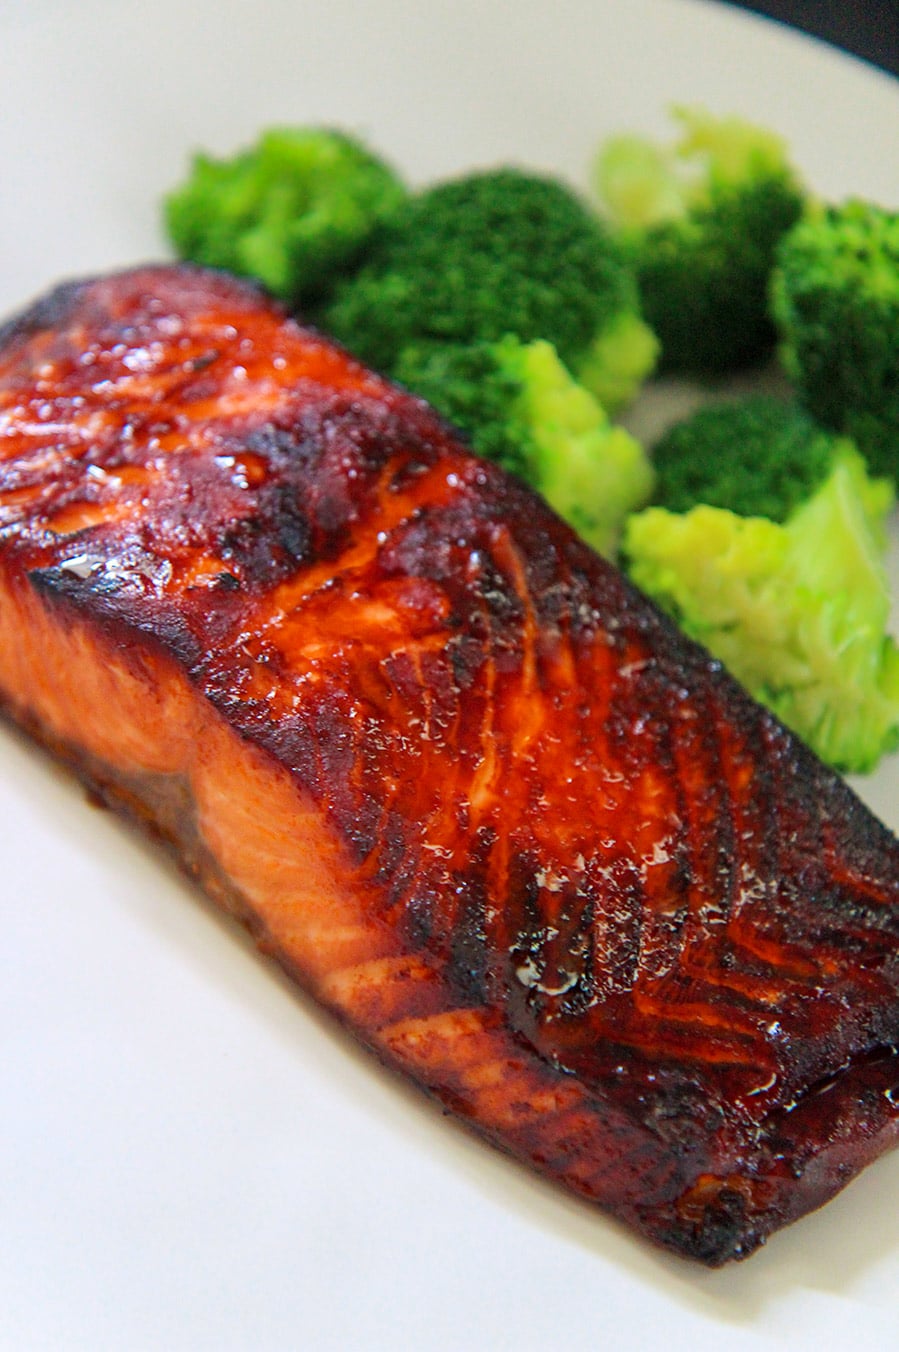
x: 190, y: 1157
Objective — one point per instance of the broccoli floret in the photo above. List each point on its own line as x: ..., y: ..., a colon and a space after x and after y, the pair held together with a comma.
x: 494, y: 253
x: 796, y: 611
x: 519, y: 405
x: 757, y: 456
x: 700, y: 221
x: 835, y: 296
x: 477, y: 387
x: 291, y: 211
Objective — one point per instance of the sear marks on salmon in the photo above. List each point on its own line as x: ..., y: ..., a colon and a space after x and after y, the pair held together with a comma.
x: 471, y: 790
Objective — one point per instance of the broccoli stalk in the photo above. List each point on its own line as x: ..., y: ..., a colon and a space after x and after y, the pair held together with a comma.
x: 517, y: 404
x: 835, y: 295
x: 495, y: 253
x: 700, y: 221
x: 795, y: 602
x: 292, y: 211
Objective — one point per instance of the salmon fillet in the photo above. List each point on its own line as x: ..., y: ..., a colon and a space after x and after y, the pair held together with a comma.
x: 464, y: 783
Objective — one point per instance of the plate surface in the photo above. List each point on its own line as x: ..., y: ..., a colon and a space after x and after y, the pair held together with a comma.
x: 191, y: 1158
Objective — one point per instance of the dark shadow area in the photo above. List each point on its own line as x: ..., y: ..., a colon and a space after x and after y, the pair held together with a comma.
x: 866, y: 28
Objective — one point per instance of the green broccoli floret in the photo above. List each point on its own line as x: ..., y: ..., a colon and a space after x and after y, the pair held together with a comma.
x: 494, y: 253
x: 519, y: 405
x: 796, y: 611
x: 291, y: 211
x: 700, y: 221
x: 835, y: 295
x: 477, y: 387
x: 757, y: 456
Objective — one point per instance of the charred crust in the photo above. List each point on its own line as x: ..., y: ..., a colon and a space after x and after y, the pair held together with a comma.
x: 51, y: 311
x: 725, y: 1232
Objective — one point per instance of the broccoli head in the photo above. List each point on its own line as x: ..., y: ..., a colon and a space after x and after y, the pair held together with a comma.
x: 493, y: 253
x: 756, y: 456
x: 700, y: 221
x: 478, y: 388
x: 835, y: 296
x: 518, y: 404
x: 797, y: 611
x: 290, y: 211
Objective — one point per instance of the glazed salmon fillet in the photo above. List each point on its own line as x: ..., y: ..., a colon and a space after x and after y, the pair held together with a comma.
x: 465, y: 784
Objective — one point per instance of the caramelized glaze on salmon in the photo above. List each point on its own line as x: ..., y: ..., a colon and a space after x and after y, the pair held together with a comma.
x: 465, y: 784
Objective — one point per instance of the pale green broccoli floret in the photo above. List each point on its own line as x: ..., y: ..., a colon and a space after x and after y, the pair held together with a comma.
x: 796, y: 611
x: 700, y: 221
x: 293, y: 210
x: 592, y: 472
x: 518, y: 404
x: 618, y: 361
